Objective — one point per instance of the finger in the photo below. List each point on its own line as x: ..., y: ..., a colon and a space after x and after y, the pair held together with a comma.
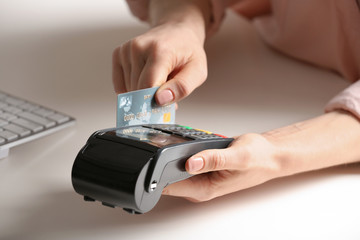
x: 117, y: 73
x: 154, y: 72
x: 214, y: 160
x: 188, y: 78
x: 125, y: 64
x: 196, y: 189
x: 137, y: 64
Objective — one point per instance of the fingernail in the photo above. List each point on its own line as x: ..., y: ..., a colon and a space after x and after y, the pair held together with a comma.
x: 195, y: 164
x: 165, y: 96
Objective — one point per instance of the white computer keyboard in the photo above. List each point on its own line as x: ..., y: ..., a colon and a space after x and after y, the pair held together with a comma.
x: 22, y: 121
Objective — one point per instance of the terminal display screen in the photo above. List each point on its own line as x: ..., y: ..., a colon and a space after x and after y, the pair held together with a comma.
x: 151, y: 136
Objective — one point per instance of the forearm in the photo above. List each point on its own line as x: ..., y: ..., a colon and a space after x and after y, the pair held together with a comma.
x: 194, y: 13
x: 328, y: 140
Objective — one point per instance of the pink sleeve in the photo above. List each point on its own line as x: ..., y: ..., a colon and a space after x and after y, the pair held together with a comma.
x: 139, y: 8
x: 349, y: 100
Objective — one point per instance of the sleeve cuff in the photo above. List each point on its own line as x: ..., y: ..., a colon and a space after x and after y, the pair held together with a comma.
x: 348, y: 100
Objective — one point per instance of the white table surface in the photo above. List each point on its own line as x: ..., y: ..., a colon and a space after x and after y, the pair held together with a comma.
x: 58, y: 53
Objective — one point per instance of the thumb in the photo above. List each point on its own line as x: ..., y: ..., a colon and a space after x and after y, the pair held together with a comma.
x: 191, y: 76
x: 211, y: 160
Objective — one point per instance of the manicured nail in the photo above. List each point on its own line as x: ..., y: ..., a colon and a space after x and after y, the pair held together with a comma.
x: 195, y: 164
x: 165, y: 96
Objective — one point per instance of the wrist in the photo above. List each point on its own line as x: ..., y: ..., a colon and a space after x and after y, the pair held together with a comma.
x: 281, y: 156
x: 293, y: 150
x: 192, y: 14
x: 325, y: 141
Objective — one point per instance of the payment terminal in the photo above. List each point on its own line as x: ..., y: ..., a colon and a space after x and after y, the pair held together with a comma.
x: 128, y: 167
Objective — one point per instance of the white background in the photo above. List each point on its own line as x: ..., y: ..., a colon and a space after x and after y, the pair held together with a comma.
x: 58, y: 53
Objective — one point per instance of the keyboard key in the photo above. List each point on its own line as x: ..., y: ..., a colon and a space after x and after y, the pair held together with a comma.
x: 11, y: 109
x: 9, y: 136
x: 14, y: 101
x: 43, y: 112
x: 7, y: 116
x: 206, y: 136
x: 2, y: 122
x: 37, y: 119
x: 17, y: 129
x: 28, y: 106
x: 59, y: 118
x: 176, y: 128
x: 2, y: 105
x: 34, y: 127
x: 189, y: 132
x: 219, y: 135
x: 2, y: 140
x: 204, y: 131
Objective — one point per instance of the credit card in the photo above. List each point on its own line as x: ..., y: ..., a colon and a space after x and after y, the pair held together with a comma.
x: 139, y: 107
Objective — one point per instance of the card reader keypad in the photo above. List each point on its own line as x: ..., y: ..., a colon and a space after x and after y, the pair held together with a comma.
x: 184, y: 131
